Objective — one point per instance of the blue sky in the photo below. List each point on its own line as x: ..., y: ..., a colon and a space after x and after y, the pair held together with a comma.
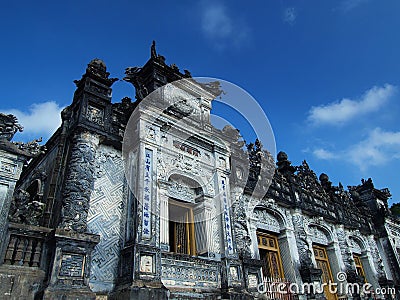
x: 326, y: 72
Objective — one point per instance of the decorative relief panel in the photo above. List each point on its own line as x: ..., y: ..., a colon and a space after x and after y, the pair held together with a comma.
x: 215, y: 243
x: 344, y: 248
x: 317, y: 235
x: 192, y: 271
x: 182, y: 100
x: 95, y: 114
x: 105, y: 216
x: 355, y: 246
x: 182, y: 192
x: 166, y: 164
x: 187, y: 164
x: 301, y: 241
x: 151, y: 133
x: 266, y: 220
x: 9, y: 168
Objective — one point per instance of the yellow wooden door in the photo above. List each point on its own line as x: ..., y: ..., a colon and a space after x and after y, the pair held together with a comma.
x: 359, y: 266
x: 270, y: 255
x: 322, y: 261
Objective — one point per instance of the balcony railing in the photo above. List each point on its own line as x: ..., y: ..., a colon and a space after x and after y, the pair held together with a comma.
x: 25, y: 245
x: 185, y: 270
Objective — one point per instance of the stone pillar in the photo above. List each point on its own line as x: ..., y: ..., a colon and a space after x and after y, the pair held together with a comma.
x: 253, y: 236
x: 209, y: 218
x: 72, y: 258
x: 290, y: 256
x: 164, y: 218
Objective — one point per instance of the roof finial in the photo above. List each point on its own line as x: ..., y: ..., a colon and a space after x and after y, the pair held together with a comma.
x: 153, y: 50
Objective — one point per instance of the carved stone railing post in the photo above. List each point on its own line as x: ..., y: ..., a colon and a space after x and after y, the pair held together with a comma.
x: 74, y: 245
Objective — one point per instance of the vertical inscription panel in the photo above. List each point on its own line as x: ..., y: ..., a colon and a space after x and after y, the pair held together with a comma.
x: 226, y: 216
x: 147, y: 193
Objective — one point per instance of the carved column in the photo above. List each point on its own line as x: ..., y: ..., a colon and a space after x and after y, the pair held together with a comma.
x: 79, y: 182
x: 377, y: 265
x: 72, y: 258
x: 308, y: 271
x: 347, y: 259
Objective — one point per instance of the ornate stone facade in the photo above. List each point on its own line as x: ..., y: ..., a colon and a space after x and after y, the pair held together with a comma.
x: 147, y: 200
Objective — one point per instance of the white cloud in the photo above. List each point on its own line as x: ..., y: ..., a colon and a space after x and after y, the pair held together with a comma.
x: 345, y: 110
x: 377, y: 149
x: 215, y: 22
x: 324, y: 154
x: 348, y: 5
x: 39, y: 120
x: 221, y: 27
x: 290, y: 15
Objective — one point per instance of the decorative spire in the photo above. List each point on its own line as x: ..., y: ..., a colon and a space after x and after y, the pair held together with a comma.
x: 326, y: 184
x: 284, y: 165
x: 153, y: 51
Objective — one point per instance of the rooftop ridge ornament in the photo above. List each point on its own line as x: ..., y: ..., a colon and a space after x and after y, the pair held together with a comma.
x: 32, y: 147
x: 9, y: 126
x: 154, y: 74
x: 97, y: 70
x: 153, y: 52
